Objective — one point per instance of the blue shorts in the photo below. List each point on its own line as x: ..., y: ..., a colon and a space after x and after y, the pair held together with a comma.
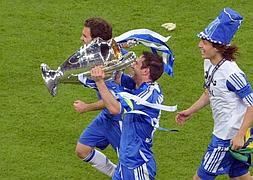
x: 102, y: 131
x: 144, y: 171
x: 218, y: 160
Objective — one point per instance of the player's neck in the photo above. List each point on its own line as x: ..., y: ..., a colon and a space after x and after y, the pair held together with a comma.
x: 140, y: 81
x: 216, y: 59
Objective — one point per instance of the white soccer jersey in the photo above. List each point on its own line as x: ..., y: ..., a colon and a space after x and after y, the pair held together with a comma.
x: 229, y: 94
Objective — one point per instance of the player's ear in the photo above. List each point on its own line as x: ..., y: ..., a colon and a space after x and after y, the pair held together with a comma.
x: 145, y: 71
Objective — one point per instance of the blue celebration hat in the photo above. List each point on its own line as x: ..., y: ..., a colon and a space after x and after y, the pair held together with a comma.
x: 223, y: 28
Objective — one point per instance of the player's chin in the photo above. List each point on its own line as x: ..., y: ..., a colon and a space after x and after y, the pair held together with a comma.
x: 204, y: 56
x: 130, y: 71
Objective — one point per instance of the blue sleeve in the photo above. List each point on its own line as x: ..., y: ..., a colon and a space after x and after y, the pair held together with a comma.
x: 151, y: 94
x: 127, y: 81
x: 126, y: 105
x: 86, y: 82
x: 239, y: 84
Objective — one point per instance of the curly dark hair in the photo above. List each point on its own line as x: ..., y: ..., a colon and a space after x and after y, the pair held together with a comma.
x: 99, y: 28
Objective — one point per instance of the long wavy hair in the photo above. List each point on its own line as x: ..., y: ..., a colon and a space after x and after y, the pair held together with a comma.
x: 228, y: 52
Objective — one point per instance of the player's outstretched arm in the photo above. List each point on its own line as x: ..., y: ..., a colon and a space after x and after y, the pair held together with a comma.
x: 184, y: 115
x: 83, y: 107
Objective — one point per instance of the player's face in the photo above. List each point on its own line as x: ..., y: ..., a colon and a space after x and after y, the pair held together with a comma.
x: 86, y: 35
x: 137, y: 66
x: 207, y: 50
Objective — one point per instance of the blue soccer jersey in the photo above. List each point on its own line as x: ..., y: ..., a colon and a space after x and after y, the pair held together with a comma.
x: 139, y: 125
x: 111, y: 85
x: 127, y: 81
x: 105, y: 128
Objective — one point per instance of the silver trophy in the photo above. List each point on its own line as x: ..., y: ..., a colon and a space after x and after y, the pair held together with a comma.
x: 97, y: 52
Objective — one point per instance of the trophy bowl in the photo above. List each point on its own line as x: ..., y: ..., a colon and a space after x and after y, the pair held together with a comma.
x: 97, y: 52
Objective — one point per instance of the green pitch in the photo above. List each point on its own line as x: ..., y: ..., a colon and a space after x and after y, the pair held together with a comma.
x: 38, y: 133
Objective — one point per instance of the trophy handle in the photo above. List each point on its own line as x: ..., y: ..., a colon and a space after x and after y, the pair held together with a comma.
x: 116, y: 50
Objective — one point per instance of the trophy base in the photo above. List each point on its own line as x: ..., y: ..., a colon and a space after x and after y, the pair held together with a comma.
x: 50, y: 78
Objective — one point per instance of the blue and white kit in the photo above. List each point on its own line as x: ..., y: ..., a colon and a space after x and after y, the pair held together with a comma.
x: 105, y: 128
x: 136, y: 159
x: 230, y: 94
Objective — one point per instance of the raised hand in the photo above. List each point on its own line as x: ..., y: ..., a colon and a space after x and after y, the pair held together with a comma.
x: 97, y: 73
x: 182, y: 116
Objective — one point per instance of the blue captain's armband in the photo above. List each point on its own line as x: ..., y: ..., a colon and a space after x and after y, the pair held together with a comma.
x: 126, y: 104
